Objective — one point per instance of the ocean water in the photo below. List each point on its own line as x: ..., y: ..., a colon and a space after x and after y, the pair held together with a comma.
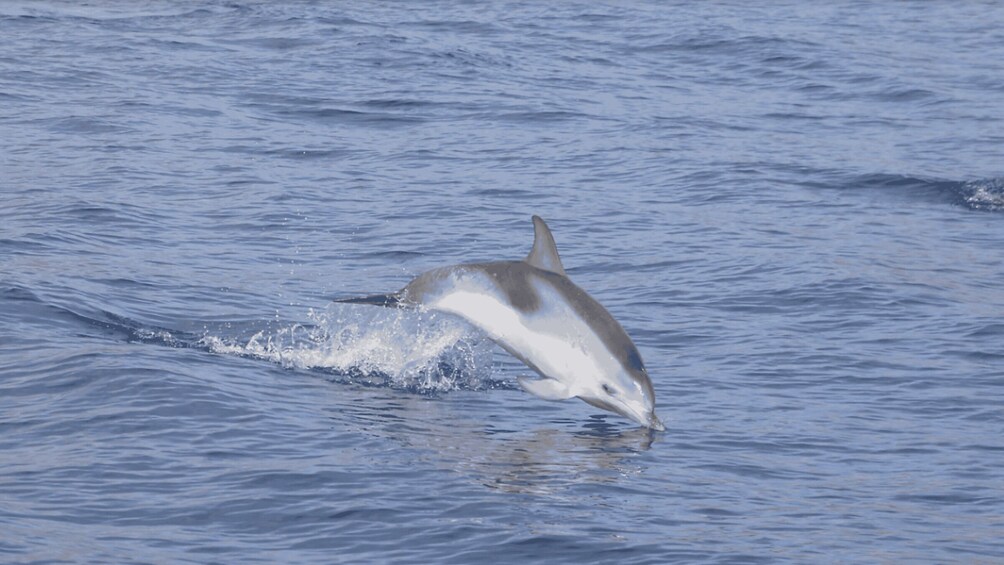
x: 796, y: 210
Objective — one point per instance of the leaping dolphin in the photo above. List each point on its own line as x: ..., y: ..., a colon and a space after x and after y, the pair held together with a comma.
x: 532, y: 310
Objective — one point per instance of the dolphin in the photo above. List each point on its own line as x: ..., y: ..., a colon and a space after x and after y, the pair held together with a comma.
x: 532, y: 310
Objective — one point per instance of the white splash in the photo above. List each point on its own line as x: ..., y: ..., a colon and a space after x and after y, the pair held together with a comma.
x: 411, y: 349
x: 985, y: 194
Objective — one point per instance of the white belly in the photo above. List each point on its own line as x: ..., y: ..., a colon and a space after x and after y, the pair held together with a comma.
x: 553, y: 339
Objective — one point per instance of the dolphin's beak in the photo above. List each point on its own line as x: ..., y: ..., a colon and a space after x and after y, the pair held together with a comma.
x: 647, y: 419
x: 654, y: 422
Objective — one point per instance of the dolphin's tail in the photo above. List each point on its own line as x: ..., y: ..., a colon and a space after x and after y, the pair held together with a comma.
x: 392, y: 300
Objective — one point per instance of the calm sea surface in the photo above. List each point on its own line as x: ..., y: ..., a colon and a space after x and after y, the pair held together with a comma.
x: 795, y: 209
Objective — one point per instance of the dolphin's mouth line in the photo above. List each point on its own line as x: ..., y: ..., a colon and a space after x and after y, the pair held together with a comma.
x: 647, y: 419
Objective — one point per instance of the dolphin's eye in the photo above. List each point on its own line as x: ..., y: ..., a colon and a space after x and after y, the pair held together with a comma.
x: 608, y: 389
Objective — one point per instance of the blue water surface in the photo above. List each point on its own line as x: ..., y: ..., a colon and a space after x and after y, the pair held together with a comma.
x: 795, y: 209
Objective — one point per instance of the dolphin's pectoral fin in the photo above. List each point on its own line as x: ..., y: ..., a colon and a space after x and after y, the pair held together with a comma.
x: 544, y: 254
x: 548, y: 389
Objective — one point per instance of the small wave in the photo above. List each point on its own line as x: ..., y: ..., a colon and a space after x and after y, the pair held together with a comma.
x: 983, y: 194
x: 412, y: 350
x: 543, y: 116
x: 393, y: 103
x: 320, y: 108
x: 86, y: 125
x: 764, y: 46
x: 898, y: 94
x: 346, y: 116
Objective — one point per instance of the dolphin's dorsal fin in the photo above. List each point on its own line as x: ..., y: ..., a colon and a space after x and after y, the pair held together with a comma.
x: 544, y: 254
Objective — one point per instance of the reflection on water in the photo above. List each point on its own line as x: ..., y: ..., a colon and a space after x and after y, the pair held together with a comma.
x: 541, y: 461
x: 548, y: 460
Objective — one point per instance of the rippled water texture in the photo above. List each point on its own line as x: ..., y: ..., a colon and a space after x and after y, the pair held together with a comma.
x: 795, y: 209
